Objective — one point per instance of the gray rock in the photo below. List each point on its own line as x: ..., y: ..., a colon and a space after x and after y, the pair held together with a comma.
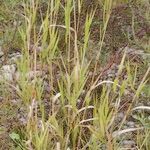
x: 131, y: 124
x: 111, y: 75
x: 120, y: 115
x: 7, y: 72
x: 90, y: 73
x: 14, y: 57
x: 22, y: 120
x: 47, y: 86
x: 128, y: 143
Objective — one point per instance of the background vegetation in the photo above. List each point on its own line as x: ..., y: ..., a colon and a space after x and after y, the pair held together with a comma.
x: 74, y: 74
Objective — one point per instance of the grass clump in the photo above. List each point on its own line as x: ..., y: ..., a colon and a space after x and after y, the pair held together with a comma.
x: 70, y: 100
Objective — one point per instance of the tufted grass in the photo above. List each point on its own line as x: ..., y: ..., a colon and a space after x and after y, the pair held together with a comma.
x: 82, y: 109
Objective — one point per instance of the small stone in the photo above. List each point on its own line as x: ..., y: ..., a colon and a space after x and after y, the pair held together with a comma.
x: 7, y: 72
x: 31, y: 74
x: 9, y: 68
x: 14, y: 57
x: 83, y: 92
x: 121, y: 115
x: 14, y: 101
x: 128, y: 143
x: 125, y: 77
x: 90, y: 73
x: 79, y: 101
x: 109, y: 71
x: 111, y: 75
x: 131, y: 124
x: 126, y: 92
x: 47, y: 86
x: 23, y: 121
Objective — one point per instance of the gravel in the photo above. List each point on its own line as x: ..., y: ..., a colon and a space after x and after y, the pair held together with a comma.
x: 120, y: 116
x: 7, y: 72
x: 128, y: 144
x: 131, y: 124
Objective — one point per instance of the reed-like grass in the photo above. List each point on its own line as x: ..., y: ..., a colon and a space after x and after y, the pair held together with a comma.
x: 81, y: 109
